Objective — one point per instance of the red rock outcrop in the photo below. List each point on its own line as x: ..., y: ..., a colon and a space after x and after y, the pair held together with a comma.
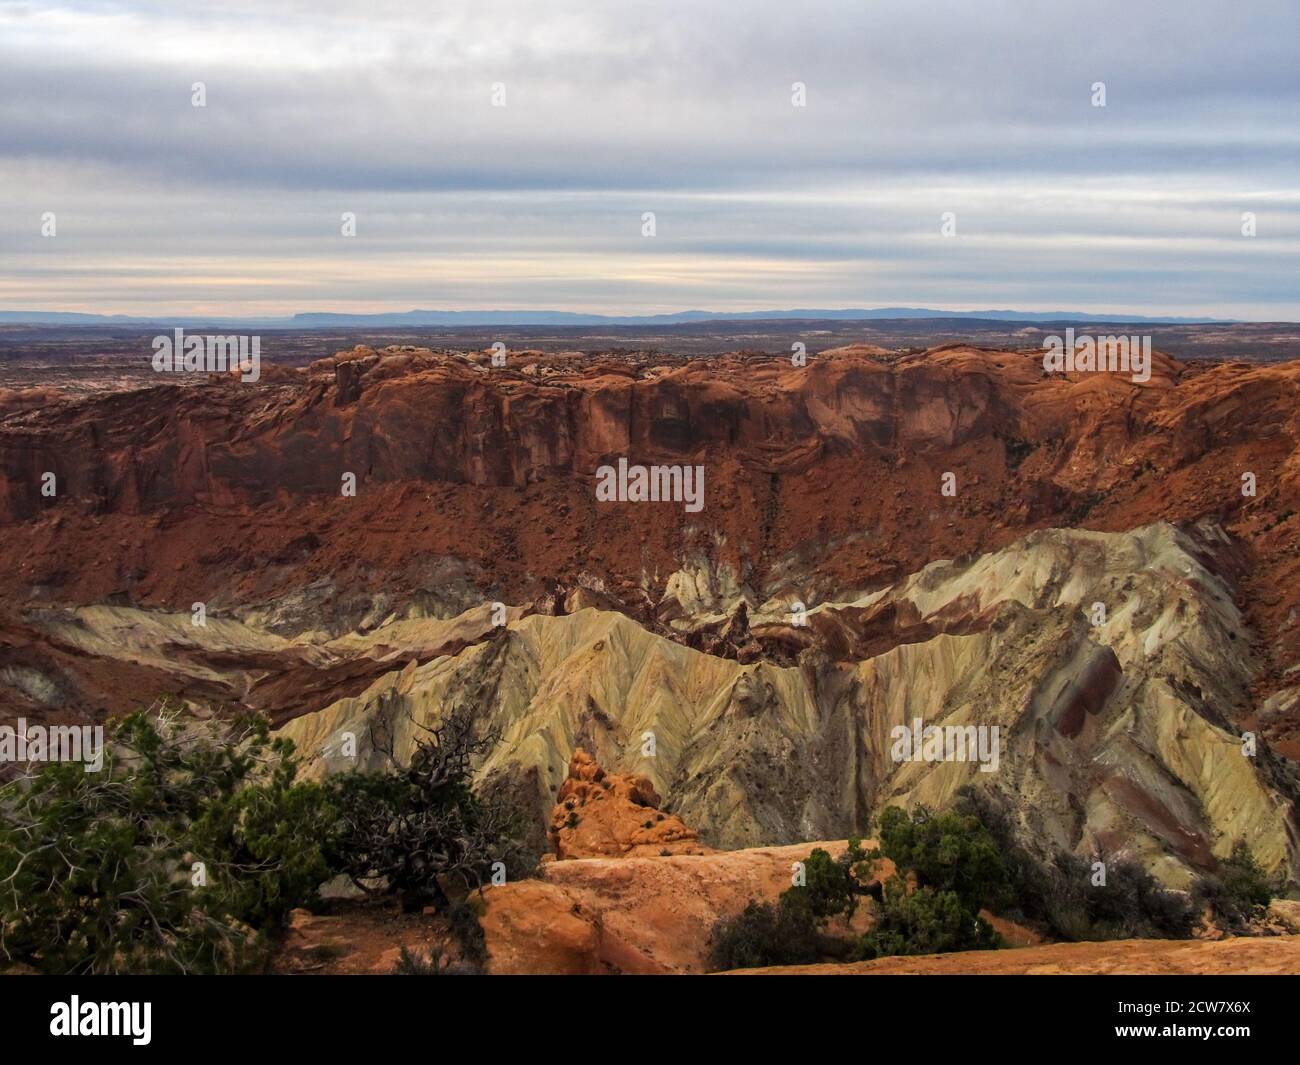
x: 588, y: 916
x: 614, y: 815
x: 637, y: 915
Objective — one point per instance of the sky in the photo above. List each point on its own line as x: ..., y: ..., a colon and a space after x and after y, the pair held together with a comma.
x: 983, y: 112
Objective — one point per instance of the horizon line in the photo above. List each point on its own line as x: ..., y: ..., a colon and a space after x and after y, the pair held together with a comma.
x: 426, y: 317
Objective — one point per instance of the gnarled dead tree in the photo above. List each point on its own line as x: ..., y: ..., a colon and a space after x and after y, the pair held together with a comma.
x: 419, y: 829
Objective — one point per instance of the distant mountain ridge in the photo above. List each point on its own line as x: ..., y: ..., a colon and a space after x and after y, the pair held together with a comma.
x: 330, y: 320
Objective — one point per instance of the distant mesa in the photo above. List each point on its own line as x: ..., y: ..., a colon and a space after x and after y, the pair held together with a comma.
x: 334, y: 319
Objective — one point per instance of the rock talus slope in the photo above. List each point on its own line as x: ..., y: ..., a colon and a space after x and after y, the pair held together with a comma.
x: 1110, y: 735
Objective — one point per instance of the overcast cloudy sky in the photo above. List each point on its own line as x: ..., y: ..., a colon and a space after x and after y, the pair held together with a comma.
x: 914, y: 108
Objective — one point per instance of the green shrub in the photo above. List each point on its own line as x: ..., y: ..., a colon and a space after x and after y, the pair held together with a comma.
x: 950, y: 851
x: 1239, y: 891
x: 958, y: 871
x: 925, y: 921
x: 189, y: 848
x: 1062, y: 897
x: 791, y: 932
x: 1131, y: 904
x: 957, y: 867
x: 181, y: 854
x: 765, y: 934
x: 1244, y: 880
x: 830, y: 885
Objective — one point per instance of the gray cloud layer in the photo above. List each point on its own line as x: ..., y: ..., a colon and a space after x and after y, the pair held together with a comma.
x: 684, y: 109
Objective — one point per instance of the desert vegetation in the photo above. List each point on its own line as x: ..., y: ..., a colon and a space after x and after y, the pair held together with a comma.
x: 188, y: 851
x: 953, y: 868
x: 1066, y: 899
x: 947, y: 869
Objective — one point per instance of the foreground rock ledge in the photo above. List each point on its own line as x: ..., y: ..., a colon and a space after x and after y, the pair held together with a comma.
x: 630, y: 915
x: 1270, y: 956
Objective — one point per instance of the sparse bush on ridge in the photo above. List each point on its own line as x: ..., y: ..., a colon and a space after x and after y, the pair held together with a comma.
x: 1240, y: 891
x: 464, y: 952
x: 1062, y: 898
x: 1131, y: 904
x: 188, y: 850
